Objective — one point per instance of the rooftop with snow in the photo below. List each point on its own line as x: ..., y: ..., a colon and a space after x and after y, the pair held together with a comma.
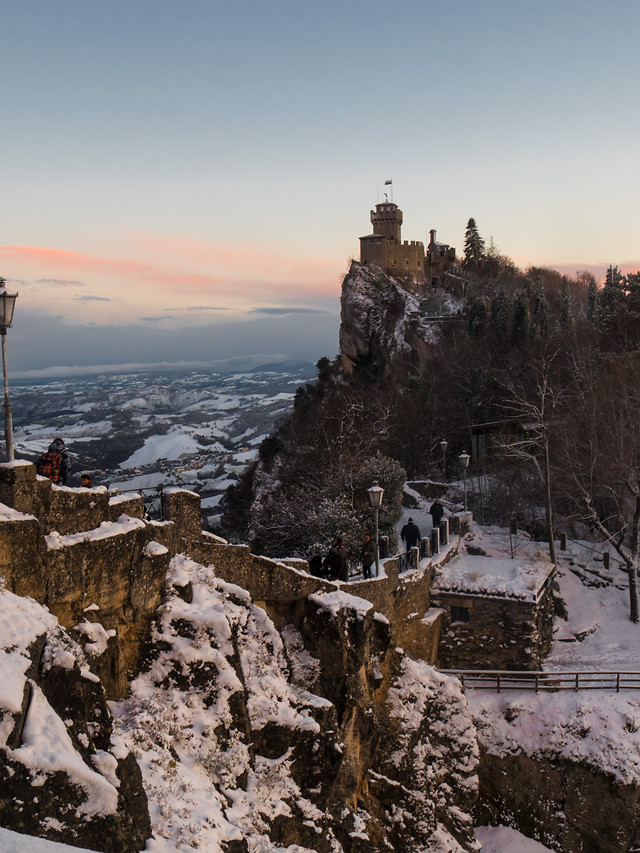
x: 495, y: 577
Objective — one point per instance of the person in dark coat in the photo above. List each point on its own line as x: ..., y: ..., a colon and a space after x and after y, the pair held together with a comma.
x: 367, y: 555
x: 343, y: 573
x: 436, y: 511
x: 410, y: 534
x: 55, y: 464
x: 336, y: 563
x: 316, y: 568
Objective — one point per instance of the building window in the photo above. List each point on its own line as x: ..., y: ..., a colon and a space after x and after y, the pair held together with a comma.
x: 459, y: 614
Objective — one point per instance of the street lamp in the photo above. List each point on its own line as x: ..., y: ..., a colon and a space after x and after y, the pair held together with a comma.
x: 443, y: 444
x: 463, y: 459
x: 375, y: 493
x: 7, y: 304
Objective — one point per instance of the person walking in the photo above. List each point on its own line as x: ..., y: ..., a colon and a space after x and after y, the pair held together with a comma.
x: 410, y: 534
x: 54, y: 463
x: 436, y: 511
x: 367, y: 555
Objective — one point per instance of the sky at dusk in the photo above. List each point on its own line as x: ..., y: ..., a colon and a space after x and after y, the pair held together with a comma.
x: 187, y: 181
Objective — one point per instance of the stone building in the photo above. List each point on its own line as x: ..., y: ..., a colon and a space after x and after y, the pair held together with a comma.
x: 497, y: 612
x: 385, y: 249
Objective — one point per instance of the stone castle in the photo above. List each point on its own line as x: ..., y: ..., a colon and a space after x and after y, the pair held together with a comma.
x: 385, y: 249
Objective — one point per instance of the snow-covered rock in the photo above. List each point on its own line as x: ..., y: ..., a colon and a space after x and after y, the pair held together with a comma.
x: 383, y: 322
x: 320, y: 736
x: 61, y: 775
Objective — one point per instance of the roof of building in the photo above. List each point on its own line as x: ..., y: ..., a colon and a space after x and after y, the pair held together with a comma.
x: 493, y: 577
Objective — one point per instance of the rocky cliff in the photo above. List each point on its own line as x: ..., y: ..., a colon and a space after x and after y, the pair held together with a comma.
x: 63, y: 775
x: 323, y: 735
x: 385, y: 323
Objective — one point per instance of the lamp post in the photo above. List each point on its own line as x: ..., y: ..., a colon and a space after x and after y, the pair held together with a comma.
x: 443, y: 444
x: 7, y: 304
x: 463, y: 459
x: 375, y: 493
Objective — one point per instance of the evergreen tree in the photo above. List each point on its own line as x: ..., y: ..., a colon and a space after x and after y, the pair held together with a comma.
x: 473, y: 246
x: 566, y: 312
x: 540, y: 310
x: 521, y: 324
x: 610, y: 297
x: 592, y: 297
x: 500, y: 315
x: 633, y: 291
x: 477, y: 317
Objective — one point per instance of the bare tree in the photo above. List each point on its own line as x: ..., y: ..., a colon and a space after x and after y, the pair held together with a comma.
x: 601, y: 459
x: 538, y: 408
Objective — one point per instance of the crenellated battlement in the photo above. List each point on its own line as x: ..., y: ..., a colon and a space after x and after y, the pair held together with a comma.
x: 385, y: 249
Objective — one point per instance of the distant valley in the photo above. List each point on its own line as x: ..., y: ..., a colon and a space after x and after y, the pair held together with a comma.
x: 191, y: 428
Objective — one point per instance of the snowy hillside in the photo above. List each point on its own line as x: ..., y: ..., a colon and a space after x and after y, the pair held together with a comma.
x: 140, y: 430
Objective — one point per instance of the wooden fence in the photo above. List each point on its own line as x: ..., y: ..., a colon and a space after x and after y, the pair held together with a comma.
x: 500, y: 680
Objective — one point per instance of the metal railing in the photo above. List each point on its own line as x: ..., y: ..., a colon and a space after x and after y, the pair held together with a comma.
x: 500, y: 680
x: 152, y: 498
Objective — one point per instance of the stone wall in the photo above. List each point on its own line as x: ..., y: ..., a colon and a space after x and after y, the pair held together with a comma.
x: 282, y: 590
x: 93, y: 558
x: 501, y: 633
x: 59, y: 508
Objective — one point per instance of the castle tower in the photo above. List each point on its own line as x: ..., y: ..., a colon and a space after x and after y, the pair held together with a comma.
x: 387, y: 221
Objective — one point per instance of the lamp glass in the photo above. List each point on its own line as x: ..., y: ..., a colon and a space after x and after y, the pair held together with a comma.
x: 7, y: 304
x: 375, y: 495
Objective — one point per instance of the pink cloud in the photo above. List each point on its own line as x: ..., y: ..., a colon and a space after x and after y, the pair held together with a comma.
x: 248, y: 271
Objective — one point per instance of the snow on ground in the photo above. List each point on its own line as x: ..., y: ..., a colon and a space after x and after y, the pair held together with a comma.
x: 502, y: 839
x: 15, y: 842
x: 598, y: 727
x: 46, y: 747
x: 173, y: 445
x: 142, y: 481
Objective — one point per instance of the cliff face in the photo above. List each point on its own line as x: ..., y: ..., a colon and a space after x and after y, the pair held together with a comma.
x: 62, y: 776
x: 322, y: 735
x: 383, y: 321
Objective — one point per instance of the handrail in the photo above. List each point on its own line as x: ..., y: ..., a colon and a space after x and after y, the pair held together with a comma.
x: 499, y: 680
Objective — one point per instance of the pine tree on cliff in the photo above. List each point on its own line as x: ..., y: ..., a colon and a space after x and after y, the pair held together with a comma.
x: 473, y: 246
x: 610, y: 298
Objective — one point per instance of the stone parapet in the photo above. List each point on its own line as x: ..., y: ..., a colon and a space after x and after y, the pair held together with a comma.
x: 183, y: 508
x: 128, y: 504
x: 91, y: 557
x: 460, y: 523
x: 18, y: 485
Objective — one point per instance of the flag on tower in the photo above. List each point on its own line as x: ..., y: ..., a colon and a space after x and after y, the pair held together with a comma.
x: 388, y: 183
